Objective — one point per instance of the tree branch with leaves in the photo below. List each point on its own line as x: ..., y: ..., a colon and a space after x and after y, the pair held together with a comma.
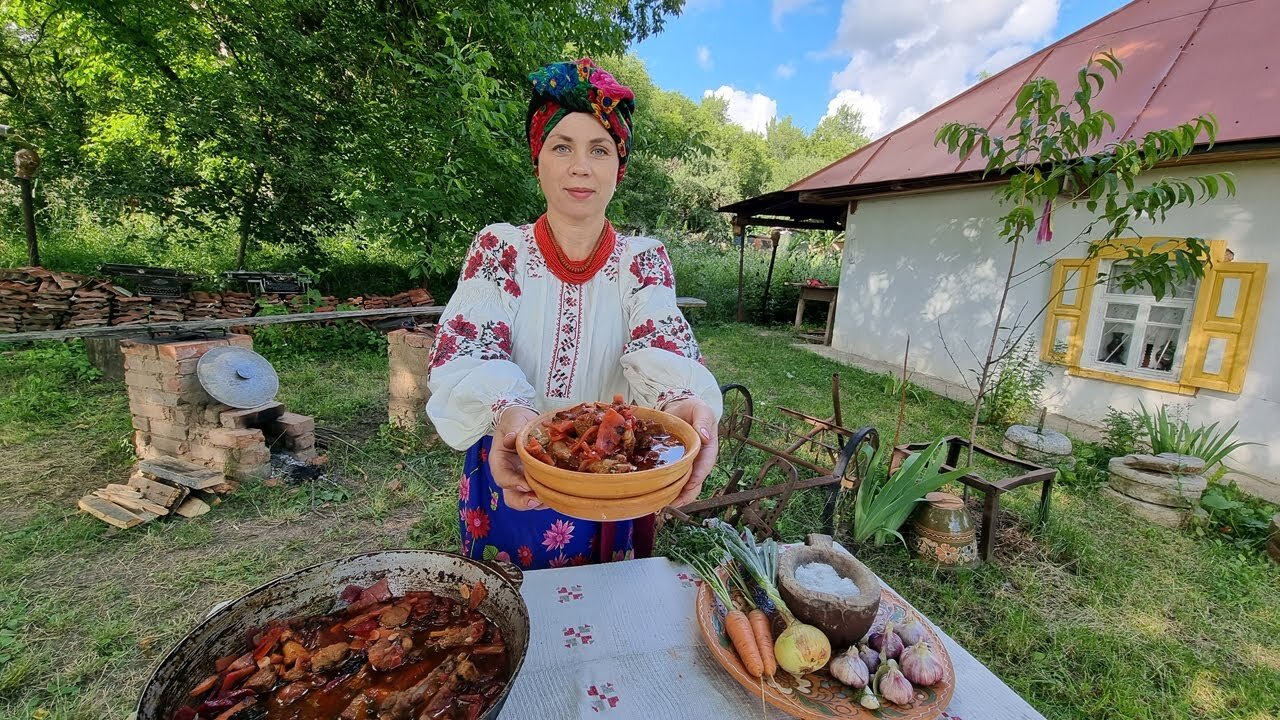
x: 1054, y: 155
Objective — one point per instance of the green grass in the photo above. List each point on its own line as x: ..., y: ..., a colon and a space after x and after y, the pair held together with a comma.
x: 1095, y: 615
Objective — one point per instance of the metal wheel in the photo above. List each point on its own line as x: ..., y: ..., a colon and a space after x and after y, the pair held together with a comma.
x: 735, y: 423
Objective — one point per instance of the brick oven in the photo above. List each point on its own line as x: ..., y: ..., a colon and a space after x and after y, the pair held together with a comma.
x: 173, y: 416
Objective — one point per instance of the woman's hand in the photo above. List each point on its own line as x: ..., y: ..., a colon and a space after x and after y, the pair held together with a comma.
x: 504, y: 463
x: 703, y: 419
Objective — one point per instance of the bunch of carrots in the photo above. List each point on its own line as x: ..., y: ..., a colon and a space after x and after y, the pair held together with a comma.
x: 745, y: 621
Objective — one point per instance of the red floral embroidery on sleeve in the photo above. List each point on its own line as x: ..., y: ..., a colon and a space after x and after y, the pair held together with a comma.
x: 671, y: 333
x: 650, y: 268
x: 489, y: 259
x: 489, y: 340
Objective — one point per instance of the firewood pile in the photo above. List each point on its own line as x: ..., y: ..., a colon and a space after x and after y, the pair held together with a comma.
x: 157, y: 488
x: 35, y: 299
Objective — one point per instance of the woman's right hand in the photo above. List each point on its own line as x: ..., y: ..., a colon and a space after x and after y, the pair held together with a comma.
x: 504, y: 462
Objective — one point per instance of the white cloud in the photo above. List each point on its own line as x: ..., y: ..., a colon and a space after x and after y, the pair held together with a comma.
x: 785, y: 71
x: 753, y: 111
x: 782, y: 8
x: 907, y: 56
x: 704, y: 57
x: 870, y: 108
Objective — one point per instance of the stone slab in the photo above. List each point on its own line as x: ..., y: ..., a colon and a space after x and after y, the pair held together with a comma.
x: 1158, y: 514
x: 196, y: 477
x: 1179, y: 491
x: 1166, y: 463
x: 1049, y: 442
x: 1037, y: 457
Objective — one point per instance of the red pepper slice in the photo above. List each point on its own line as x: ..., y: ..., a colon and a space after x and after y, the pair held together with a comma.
x: 536, y: 450
x: 267, y: 643
x: 234, y: 677
x: 611, y: 430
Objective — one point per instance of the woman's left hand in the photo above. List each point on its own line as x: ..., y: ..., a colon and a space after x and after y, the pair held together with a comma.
x: 703, y: 419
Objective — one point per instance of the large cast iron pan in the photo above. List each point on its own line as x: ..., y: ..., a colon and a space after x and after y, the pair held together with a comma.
x: 315, y: 590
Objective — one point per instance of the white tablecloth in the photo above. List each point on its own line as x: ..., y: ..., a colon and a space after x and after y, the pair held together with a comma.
x: 620, y: 640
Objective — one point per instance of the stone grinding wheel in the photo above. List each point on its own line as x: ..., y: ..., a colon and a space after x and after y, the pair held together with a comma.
x: 237, y: 377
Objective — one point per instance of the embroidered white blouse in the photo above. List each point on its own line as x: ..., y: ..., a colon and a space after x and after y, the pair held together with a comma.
x: 515, y: 334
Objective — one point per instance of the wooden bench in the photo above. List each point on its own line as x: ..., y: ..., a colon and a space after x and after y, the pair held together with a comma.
x: 687, y: 304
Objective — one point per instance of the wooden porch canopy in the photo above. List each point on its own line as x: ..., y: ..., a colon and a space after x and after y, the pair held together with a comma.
x: 784, y: 209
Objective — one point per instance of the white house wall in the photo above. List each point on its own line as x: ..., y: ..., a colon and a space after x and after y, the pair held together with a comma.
x: 931, y: 266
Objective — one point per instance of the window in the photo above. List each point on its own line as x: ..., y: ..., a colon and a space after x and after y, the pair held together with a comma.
x: 1131, y: 332
x: 1200, y: 335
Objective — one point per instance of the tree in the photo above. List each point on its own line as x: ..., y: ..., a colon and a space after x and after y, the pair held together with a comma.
x: 1049, y: 161
x: 290, y: 118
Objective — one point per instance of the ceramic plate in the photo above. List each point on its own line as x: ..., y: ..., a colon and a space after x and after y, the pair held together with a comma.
x: 818, y: 696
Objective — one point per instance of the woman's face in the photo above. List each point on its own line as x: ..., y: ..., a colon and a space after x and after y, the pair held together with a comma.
x: 578, y: 168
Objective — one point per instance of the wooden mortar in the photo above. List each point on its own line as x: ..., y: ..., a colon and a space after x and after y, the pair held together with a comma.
x: 844, y: 619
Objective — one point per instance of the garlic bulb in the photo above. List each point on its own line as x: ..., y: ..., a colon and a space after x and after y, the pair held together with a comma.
x: 870, y: 657
x: 886, y: 642
x: 911, y: 632
x: 849, y: 669
x: 920, y: 666
x: 894, y: 687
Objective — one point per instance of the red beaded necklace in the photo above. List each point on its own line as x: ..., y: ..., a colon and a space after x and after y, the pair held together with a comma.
x: 574, y: 272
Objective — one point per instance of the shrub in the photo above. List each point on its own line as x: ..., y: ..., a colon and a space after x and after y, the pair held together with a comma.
x: 1124, y: 433
x: 1015, y: 391
x: 1168, y: 434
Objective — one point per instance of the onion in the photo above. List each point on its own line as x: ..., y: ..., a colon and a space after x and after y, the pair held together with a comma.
x: 801, y: 649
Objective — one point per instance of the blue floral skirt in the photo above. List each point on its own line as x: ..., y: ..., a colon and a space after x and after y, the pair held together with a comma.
x: 536, y: 539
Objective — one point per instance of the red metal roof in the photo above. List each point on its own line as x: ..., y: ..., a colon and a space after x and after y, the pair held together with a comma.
x: 1181, y: 58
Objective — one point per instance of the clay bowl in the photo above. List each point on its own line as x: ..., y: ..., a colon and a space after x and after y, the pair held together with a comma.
x: 607, y: 510
x: 594, y: 492
x: 844, y: 619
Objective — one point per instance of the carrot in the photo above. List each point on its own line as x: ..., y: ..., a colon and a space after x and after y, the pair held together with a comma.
x: 738, y: 628
x: 764, y: 639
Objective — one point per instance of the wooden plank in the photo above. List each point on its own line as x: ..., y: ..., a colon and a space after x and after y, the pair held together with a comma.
x: 690, y: 302
x: 196, y: 477
x: 158, y: 492
x: 137, y: 505
x: 108, y: 512
x: 125, y: 490
x: 188, y: 326
x: 192, y: 507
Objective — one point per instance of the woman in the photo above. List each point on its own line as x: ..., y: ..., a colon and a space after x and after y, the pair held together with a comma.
x: 556, y: 313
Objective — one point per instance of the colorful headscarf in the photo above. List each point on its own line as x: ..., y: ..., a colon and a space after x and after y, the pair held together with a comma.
x: 579, y: 86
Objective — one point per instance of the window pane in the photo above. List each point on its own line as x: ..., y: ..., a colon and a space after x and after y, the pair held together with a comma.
x: 1120, y: 311
x: 1167, y: 315
x: 1114, y: 348
x: 1185, y: 290
x: 1070, y: 288
x: 1214, y: 355
x: 1113, y: 281
x: 1062, y: 333
x: 1159, y: 348
x: 1230, y: 295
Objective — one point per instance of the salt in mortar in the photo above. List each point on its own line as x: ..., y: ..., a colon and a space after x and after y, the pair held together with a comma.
x: 821, y: 577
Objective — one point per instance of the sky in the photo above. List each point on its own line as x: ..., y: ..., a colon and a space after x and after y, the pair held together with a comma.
x: 892, y: 60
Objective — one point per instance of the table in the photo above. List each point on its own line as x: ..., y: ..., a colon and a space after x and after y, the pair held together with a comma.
x: 620, y: 640
x: 817, y: 293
